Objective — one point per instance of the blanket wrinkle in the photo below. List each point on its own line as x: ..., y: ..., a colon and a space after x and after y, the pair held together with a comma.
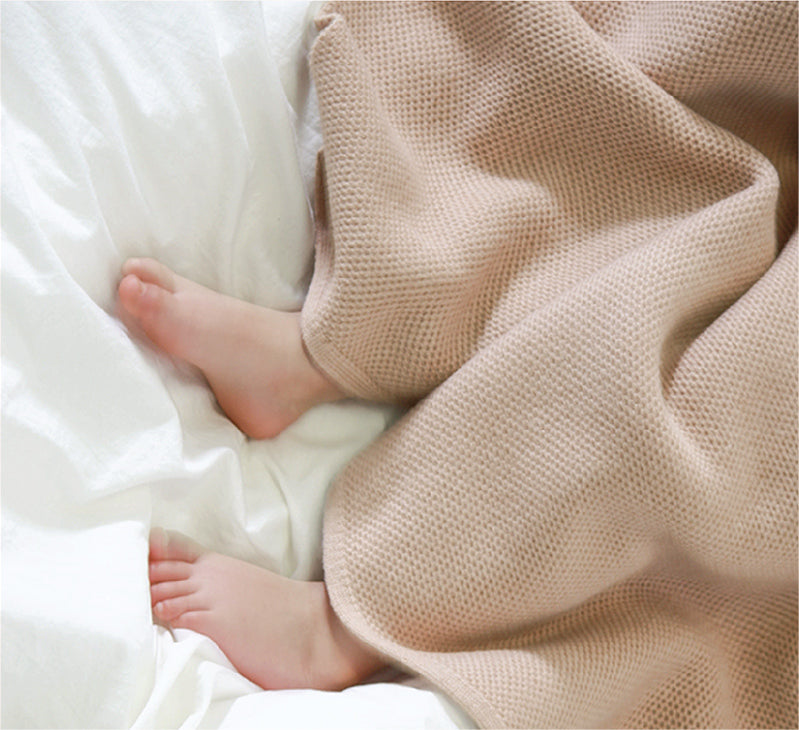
x: 567, y: 233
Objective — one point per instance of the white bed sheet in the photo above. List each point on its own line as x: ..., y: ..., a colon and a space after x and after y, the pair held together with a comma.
x: 186, y: 132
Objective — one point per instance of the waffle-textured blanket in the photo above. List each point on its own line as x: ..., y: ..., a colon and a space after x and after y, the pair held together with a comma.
x: 566, y: 234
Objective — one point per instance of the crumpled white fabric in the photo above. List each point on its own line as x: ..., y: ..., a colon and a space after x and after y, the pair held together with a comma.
x: 187, y: 132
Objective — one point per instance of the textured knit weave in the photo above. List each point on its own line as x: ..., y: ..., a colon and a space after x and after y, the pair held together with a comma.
x: 567, y: 233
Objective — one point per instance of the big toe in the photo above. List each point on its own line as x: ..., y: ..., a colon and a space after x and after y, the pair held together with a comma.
x: 151, y: 271
x: 131, y: 293
x: 154, y: 310
x: 169, y: 545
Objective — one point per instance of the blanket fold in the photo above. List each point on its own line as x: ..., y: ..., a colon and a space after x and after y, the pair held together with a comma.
x: 567, y: 233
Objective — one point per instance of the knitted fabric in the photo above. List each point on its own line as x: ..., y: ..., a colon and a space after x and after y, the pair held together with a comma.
x: 565, y: 233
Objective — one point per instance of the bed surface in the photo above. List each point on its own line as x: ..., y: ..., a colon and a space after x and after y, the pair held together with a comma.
x: 186, y: 132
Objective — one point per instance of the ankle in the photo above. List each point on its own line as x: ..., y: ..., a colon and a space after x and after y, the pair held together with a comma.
x: 323, y: 388
x: 340, y: 660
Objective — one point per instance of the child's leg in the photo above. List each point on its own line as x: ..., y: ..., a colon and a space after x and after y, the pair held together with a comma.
x: 253, y: 357
x: 279, y: 633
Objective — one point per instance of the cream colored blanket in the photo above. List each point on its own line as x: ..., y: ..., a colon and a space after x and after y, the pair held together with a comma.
x: 566, y: 232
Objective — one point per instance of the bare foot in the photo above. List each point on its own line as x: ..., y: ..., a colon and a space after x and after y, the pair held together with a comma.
x: 279, y: 633
x: 253, y: 357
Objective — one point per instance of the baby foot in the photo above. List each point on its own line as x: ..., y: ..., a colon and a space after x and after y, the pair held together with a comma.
x: 253, y: 357
x: 279, y: 633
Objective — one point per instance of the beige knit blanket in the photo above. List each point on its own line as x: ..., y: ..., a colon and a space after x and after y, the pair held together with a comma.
x: 566, y: 235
